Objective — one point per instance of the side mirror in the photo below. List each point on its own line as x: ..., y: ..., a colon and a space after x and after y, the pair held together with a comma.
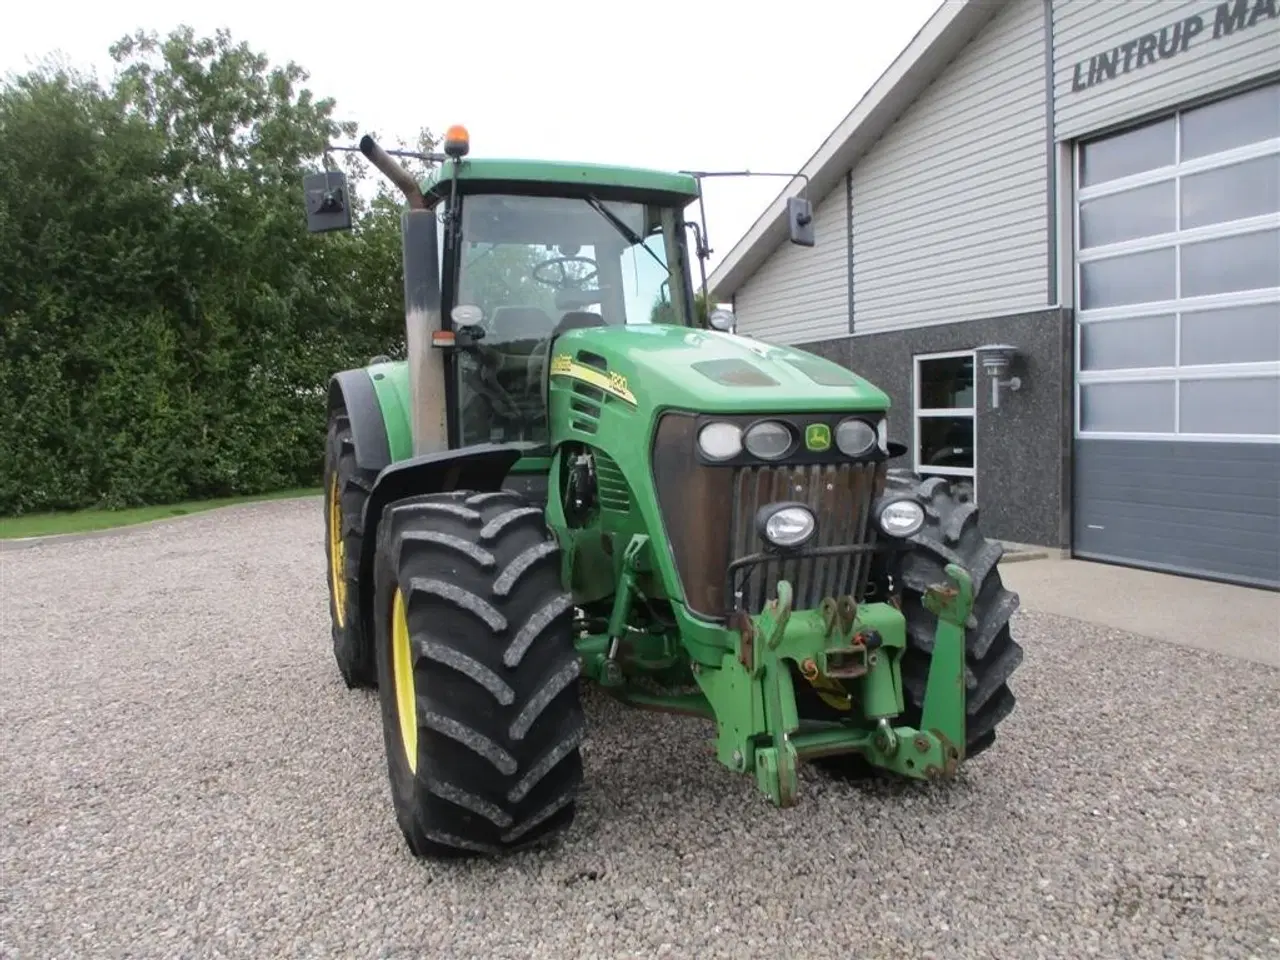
x: 800, y: 221
x: 328, y: 205
x: 722, y: 320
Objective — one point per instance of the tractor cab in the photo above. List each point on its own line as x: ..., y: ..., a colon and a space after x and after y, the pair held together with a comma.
x: 519, y: 268
x: 500, y: 258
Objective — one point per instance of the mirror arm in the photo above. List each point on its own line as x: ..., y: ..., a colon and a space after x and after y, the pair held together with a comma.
x: 704, y: 252
x: 801, y: 218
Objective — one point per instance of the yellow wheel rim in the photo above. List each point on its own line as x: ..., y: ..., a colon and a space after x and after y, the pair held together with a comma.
x: 402, y: 675
x: 337, y: 555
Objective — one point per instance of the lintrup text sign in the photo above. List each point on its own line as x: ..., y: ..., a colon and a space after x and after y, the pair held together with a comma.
x: 1223, y: 20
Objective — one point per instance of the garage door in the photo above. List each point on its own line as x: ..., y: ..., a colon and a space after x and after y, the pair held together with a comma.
x: 1177, y: 459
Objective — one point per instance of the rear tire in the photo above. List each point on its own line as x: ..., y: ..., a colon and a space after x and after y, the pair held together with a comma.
x: 346, y: 488
x: 950, y: 535
x: 467, y: 589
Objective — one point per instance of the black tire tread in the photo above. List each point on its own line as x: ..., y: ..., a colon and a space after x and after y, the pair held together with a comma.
x: 352, y: 650
x: 496, y: 673
x: 951, y: 534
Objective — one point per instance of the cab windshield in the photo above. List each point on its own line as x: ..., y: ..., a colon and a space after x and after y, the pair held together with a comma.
x: 531, y: 266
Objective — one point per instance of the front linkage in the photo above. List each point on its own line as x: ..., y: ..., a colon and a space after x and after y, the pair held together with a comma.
x: 750, y: 692
x: 846, y: 643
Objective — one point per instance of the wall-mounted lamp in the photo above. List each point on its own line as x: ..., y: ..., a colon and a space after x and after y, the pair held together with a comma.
x: 996, y: 360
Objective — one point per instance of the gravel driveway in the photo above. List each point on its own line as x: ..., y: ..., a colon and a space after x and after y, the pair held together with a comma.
x: 183, y: 774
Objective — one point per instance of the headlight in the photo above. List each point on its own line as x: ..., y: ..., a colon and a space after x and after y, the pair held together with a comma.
x: 720, y: 441
x: 786, y: 525
x: 768, y: 440
x: 855, y: 437
x: 901, y: 518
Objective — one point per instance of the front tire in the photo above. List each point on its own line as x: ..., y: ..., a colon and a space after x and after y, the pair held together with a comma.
x: 478, y: 674
x: 950, y: 534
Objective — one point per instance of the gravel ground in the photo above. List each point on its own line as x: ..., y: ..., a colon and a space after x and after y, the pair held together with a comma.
x: 183, y: 774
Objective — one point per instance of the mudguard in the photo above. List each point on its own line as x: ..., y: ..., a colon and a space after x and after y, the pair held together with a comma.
x: 353, y: 389
x: 482, y: 467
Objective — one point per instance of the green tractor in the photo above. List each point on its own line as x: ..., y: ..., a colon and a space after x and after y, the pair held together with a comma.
x: 576, y: 472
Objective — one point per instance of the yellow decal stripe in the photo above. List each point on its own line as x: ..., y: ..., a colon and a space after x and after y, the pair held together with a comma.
x: 611, y: 383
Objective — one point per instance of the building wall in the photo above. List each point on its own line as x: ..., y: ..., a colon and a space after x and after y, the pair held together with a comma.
x: 1175, y: 50
x: 950, y: 207
x: 1023, y: 461
x: 960, y: 225
x: 802, y: 293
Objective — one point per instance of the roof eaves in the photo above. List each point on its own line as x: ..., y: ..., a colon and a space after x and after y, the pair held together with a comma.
x: 935, y: 44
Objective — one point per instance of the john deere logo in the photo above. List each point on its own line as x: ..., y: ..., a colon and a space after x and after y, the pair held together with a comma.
x: 817, y: 437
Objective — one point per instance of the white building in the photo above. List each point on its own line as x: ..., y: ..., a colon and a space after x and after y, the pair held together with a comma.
x: 1097, y: 183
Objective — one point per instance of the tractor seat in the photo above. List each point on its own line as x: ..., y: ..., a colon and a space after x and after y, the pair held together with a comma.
x: 516, y: 331
x: 513, y: 336
x: 572, y: 320
x: 578, y: 320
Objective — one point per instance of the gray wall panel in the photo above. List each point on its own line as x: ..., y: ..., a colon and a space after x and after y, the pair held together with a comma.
x: 802, y: 293
x: 1209, y: 509
x: 950, y: 214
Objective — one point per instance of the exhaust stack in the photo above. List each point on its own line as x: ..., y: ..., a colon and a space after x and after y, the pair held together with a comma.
x: 393, y: 171
x: 428, y: 424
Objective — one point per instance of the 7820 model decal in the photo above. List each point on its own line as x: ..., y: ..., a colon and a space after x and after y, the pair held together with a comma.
x: 614, y: 384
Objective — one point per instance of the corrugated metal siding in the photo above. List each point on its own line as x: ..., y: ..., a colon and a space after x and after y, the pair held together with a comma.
x: 950, y: 211
x: 1208, y: 509
x: 801, y: 294
x: 1083, y: 28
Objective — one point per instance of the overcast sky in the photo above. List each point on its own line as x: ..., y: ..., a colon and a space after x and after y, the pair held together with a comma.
x: 680, y: 84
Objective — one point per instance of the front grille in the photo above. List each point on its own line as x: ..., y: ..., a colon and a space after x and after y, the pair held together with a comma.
x: 708, y: 513
x: 840, y: 495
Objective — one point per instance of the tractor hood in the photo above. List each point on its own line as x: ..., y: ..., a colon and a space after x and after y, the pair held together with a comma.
x: 662, y: 365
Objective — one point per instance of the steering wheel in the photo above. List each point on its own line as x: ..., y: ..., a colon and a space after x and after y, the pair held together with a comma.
x: 565, y: 282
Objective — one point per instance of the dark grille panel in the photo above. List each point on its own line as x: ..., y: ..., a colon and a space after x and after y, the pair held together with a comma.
x: 840, y: 495
x: 696, y: 502
x: 611, y: 485
x: 708, y: 514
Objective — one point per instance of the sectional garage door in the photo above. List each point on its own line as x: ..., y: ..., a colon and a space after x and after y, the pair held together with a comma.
x: 1177, y: 459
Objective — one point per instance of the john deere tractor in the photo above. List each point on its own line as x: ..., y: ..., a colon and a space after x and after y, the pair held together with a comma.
x: 576, y: 472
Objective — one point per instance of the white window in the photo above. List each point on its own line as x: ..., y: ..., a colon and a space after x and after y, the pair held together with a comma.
x: 1178, y: 275
x: 945, y: 436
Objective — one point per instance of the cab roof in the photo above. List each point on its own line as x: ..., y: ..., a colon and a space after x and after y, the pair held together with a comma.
x: 496, y: 174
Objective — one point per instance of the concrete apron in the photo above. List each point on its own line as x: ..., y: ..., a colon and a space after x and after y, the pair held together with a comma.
x: 1241, y: 622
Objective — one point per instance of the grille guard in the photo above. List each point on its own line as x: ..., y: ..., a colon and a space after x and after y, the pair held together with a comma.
x: 753, y: 560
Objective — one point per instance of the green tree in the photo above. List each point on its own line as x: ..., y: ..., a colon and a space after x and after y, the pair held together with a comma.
x: 167, y: 325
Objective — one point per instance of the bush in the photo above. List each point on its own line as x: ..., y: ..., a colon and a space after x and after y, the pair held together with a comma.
x: 167, y: 325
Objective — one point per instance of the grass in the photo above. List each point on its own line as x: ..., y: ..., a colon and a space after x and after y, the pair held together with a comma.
x: 83, y: 521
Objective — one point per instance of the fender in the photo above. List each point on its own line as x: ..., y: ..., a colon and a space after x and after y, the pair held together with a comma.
x: 353, y: 389
x: 481, y: 467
